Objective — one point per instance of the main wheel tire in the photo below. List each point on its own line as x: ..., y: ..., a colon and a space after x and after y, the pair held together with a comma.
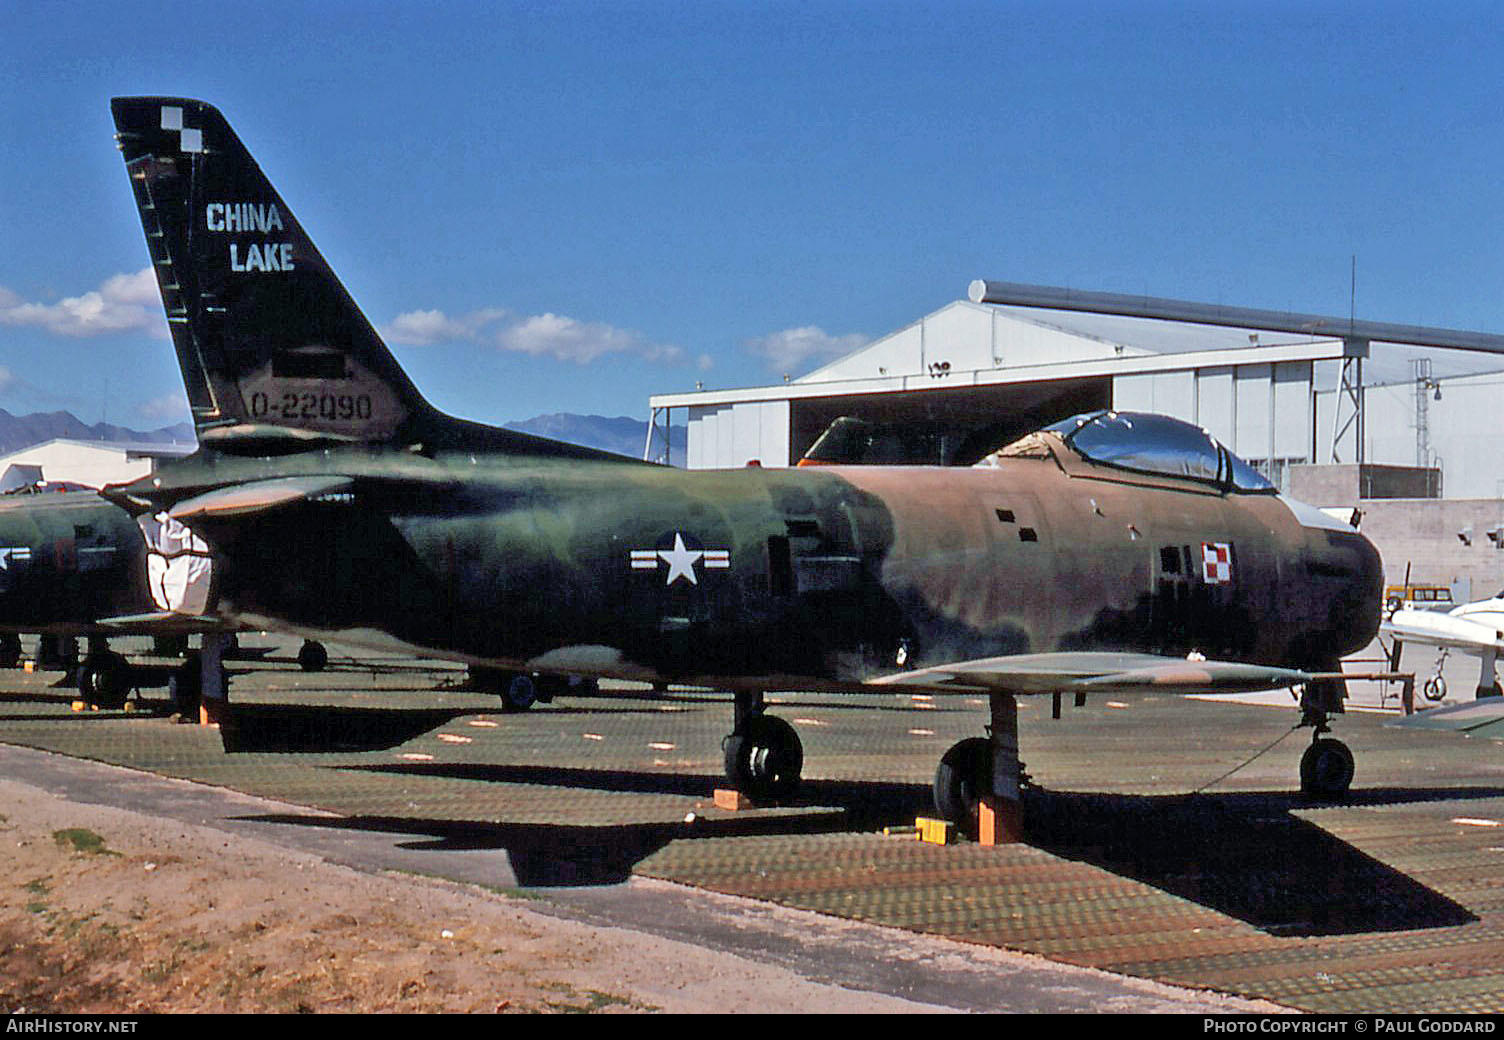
x: 764, y: 759
x: 1326, y: 770
x: 518, y: 693
x: 10, y: 650
x: 312, y: 657
x: 962, y: 777
x: 105, y: 681
x: 551, y: 686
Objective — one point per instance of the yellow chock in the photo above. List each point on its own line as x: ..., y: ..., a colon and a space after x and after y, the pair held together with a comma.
x: 936, y: 832
x: 29, y: 666
x: 82, y: 706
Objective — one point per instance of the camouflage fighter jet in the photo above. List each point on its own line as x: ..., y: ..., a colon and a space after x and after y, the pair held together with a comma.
x: 73, y: 564
x: 1108, y: 553
x: 67, y: 560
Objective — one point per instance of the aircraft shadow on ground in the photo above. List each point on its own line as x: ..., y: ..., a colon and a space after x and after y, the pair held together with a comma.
x: 545, y: 855
x: 1247, y: 855
x: 313, y: 729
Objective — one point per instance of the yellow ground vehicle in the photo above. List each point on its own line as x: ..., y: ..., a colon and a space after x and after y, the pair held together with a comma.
x: 1417, y: 597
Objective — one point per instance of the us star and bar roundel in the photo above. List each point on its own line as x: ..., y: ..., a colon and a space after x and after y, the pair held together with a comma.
x: 681, y: 556
x: 1216, y: 562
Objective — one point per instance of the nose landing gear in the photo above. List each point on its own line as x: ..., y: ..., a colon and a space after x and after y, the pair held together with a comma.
x: 1326, y: 767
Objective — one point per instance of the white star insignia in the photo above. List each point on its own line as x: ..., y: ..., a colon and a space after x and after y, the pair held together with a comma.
x: 681, y: 561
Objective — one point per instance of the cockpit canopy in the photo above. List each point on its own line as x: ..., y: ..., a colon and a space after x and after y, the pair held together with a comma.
x: 1148, y: 443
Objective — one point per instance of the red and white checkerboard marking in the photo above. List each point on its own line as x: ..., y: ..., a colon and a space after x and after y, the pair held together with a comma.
x: 1216, y: 563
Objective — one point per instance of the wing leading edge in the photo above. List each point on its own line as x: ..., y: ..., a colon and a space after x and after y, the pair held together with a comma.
x: 1030, y: 674
x: 1450, y: 630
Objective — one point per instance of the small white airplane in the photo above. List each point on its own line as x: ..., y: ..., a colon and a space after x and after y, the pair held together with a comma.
x: 1473, y: 628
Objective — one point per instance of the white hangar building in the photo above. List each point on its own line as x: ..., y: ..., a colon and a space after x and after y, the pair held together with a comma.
x: 1277, y: 398
x: 93, y: 463
x: 1402, y: 412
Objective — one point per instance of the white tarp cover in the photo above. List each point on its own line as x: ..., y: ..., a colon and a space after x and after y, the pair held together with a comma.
x: 178, y: 565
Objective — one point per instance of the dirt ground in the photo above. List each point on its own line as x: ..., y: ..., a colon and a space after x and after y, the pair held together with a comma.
x: 110, y: 911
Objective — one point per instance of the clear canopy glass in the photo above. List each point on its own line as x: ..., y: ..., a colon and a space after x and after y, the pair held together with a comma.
x: 1148, y: 443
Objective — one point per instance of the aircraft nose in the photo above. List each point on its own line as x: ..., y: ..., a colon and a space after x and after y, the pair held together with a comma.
x: 1357, y: 602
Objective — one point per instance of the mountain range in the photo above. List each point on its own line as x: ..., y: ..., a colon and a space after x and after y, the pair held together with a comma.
x: 622, y: 434
x: 22, y: 431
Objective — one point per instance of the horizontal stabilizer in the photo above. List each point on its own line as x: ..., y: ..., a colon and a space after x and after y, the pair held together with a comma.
x: 166, y: 623
x: 1026, y: 674
x: 1480, y: 718
x: 259, y: 497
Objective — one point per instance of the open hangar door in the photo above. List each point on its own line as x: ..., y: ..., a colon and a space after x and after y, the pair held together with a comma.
x: 955, y: 426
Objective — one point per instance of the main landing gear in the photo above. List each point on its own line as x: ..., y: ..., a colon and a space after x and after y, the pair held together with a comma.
x: 979, y: 781
x: 977, y: 785
x: 519, y: 691
x: 312, y: 657
x: 764, y: 757
x: 105, y: 678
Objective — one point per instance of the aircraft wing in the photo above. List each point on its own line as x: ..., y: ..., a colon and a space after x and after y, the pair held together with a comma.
x: 1026, y: 674
x: 1433, y: 629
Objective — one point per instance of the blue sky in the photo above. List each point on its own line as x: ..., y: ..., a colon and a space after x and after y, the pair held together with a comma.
x: 569, y: 206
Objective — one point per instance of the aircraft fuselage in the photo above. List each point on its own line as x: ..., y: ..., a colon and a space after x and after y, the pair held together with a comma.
x: 763, y: 577
x: 66, y: 560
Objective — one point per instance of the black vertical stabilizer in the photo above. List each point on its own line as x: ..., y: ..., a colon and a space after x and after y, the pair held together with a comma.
x: 274, y: 352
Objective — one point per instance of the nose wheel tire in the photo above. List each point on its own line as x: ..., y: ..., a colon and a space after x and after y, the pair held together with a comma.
x: 764, y: 759
x: 1326, y: 770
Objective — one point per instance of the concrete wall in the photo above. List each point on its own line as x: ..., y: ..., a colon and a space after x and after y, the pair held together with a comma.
x: 1421, y: 533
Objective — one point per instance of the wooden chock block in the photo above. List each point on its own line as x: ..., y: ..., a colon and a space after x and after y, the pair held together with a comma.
x: 1000, y: 821
x: 733, y: 801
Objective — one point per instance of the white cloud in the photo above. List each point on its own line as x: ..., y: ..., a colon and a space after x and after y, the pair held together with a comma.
x: 165, y: 409
x: 425, y: 328
x: 541, y: 335
x: 793, y: 349
x: 562, y: 337
x: 124, y: 302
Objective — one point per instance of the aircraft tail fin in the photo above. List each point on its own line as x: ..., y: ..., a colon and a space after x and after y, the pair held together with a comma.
x: 275, y: 354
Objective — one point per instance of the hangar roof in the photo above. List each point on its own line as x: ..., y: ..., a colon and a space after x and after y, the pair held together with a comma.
x: 992, y: 343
